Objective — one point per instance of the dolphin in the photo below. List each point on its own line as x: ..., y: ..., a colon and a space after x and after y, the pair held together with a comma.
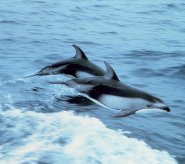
x: 77, y: 66
x: 109, y: 92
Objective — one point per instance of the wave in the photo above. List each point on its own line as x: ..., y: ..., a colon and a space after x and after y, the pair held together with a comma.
x: 175, y: 71
x: 31, y: 137
x: 8, y: 22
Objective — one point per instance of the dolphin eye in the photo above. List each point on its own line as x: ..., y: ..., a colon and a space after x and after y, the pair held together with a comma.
x: 149, y: 105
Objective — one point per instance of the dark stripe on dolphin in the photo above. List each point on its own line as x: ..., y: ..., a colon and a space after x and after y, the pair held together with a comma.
x: 72, y: 69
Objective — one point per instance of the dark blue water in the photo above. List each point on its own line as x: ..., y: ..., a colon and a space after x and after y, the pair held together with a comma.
x: 143, y: 40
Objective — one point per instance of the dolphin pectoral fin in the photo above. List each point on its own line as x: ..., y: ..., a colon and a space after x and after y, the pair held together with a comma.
x: 124, y: 113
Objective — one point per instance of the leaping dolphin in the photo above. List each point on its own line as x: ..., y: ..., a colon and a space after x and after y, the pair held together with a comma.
x: 77, y: 66
x: 109, y: 92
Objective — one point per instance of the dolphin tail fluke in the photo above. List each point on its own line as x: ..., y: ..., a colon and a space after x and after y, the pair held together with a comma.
x: 123, y: 113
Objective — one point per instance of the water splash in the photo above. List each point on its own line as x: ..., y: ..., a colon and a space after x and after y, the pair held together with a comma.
x: 51, y: 138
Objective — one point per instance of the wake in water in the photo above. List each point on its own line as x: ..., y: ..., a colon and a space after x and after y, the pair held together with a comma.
x: 31, y: 137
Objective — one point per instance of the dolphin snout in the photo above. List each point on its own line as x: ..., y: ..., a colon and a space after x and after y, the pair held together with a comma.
x: 71, y: 83
x: 166, y: 108
x: 37, y: 74
x: 31, y: 75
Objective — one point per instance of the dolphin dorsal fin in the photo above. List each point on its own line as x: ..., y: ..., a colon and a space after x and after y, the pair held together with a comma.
x: 110, y: 74
x: 79, y: 53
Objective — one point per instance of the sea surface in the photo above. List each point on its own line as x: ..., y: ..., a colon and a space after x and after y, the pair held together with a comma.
x: 143, y: 40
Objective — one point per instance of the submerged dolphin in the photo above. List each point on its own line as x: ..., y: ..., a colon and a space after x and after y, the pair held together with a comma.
x: 108, y: 91
x: 77, y: 66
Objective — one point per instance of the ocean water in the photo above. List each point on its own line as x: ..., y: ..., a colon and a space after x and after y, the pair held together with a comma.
x: 144, y: 41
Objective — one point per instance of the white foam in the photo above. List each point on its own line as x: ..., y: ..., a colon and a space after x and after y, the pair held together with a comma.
x: 65, y: 138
